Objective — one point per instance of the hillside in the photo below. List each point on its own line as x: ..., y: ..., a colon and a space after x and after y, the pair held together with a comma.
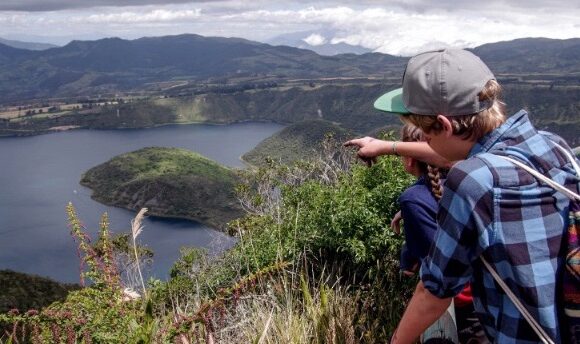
x: 532, y: 55
x: 24, y: 292
x: 554, y: 108
x: 113, y: 65
x: 302, y: 140
x: 170, y: 182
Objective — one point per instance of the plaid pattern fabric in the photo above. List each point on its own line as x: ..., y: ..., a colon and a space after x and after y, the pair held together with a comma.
x: 491, y: 207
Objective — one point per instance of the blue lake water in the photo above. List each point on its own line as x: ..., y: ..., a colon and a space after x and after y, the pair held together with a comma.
x: 39, y: 175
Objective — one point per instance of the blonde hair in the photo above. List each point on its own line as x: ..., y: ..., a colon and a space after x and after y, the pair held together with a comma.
x: 411, y: 133
x: 473, y: 126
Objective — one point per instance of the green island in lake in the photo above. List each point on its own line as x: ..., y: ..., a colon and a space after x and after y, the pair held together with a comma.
x: 170, y: 182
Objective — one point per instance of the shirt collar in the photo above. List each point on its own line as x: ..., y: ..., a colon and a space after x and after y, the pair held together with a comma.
x: 485, y: 143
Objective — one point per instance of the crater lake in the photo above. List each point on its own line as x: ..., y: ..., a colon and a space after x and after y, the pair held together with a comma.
x: 39, y: 175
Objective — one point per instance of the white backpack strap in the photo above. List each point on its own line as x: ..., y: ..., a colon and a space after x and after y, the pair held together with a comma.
x: 570, y: 158
x: 530, y: 319
x: 570, y: 194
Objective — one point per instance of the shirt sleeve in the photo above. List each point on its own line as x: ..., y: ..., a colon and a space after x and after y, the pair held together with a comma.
x: 407, y: 260
x: 419, y: 226
x: 464, y: 224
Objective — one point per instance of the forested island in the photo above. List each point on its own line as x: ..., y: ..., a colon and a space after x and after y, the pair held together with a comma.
x: 170, y: 182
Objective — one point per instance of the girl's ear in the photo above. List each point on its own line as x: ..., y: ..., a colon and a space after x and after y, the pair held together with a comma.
x: 410, y: 165
x: 446, y: 124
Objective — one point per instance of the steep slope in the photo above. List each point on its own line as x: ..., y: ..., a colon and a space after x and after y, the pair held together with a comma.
x: 556, y: 109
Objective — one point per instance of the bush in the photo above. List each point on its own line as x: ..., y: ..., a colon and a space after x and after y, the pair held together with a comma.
x: 323, y: 215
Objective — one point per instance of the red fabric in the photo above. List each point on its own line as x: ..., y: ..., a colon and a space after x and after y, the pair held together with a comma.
x: 464, y: 298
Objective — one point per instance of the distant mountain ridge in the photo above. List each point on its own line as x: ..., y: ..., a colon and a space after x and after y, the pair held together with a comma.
x: 525, y: 55
x: 26, y: 45
x: 113, y: 64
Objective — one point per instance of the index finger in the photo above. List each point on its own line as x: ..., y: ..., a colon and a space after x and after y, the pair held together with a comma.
x: 350, y: 143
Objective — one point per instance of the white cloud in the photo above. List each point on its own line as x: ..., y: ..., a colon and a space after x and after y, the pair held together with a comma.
x: 391, y: 26
x: 315, y: 39
x: 154, y: 16
x: 402, y: 32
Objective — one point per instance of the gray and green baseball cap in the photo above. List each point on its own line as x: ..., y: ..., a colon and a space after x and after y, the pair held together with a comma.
x: 443, y: 82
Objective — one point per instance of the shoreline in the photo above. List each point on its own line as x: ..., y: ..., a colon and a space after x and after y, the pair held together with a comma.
x: 57, y: 129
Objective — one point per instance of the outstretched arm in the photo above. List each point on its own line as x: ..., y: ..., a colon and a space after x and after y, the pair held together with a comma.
x: 370, y: 148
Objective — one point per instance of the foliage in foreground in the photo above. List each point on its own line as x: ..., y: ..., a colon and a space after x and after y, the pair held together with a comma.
x: 315, y: 262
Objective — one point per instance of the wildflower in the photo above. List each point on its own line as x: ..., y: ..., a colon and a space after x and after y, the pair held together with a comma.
x: 129, y: 294
x: 136, y: 229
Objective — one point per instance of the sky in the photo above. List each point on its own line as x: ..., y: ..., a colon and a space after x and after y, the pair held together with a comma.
x: 392, y: 27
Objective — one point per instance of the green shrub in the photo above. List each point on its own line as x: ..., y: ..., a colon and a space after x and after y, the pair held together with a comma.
x: 337, y: 221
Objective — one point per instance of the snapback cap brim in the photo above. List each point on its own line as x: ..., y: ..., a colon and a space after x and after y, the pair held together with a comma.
x: 392, y: 102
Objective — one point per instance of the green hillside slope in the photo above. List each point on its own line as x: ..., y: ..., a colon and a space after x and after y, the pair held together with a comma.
x: 554, y: 108
x: 114, y: 65
x: 170, y: 182
x: 302, y: 140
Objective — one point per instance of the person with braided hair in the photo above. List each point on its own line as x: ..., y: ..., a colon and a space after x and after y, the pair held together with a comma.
x: 419, y: 205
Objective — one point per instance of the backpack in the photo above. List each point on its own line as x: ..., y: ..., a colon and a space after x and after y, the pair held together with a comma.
x: 571, y: 274
x: 571, y: 278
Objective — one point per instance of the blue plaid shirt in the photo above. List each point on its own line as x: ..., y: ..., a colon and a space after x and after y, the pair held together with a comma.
x: 491, y: 207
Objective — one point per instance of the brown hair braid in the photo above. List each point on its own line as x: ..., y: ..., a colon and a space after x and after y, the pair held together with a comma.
x: 435, y: 179
x: 411, y: 133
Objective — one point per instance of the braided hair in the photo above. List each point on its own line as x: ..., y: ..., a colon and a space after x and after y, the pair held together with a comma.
x: 410, y: 133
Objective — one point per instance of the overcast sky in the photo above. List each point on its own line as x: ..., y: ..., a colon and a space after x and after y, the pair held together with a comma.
x: 393, y: 27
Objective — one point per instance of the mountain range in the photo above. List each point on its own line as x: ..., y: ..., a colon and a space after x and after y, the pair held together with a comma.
x: 533, y: 55
x: 27, y: 45
x: 115, y: 65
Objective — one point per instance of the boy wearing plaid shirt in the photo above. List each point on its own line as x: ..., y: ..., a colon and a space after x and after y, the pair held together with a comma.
x: 490, y: 207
